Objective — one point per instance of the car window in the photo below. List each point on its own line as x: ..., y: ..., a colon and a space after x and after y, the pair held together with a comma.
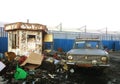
x: 88, y: 44
x: 93, y: 44
x: 80, y: 44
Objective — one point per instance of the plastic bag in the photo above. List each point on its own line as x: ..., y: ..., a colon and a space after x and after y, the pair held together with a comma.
x: 20, y: 73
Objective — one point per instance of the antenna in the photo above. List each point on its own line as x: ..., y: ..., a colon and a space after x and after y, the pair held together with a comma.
x: 85, y: 29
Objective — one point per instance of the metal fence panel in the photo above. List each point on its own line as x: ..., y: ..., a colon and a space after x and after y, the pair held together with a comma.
x: 2, y: 32
x: 65, y: 44
x: 117, y: 45
x: 109, y: 44
x: 3, y: 44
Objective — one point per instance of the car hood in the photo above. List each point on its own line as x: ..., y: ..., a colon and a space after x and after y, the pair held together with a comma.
x: 87, y: 52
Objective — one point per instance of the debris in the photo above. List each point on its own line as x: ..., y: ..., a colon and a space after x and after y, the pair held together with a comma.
x: 72, y: 70
x: 52, y: 76
x: 33, y: 58
x: 50, y: 59
x: 21, y: 59
x: 65, y: 67
x: 31, y: 66
x: 1, y: 56
x: 20, y: 73
x: 2, y: 66
x: 10, y: 56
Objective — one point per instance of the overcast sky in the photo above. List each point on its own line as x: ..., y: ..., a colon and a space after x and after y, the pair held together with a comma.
x: 95, y: 14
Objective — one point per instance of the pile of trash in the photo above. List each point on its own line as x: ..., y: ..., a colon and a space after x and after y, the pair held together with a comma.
x: 35, y: 68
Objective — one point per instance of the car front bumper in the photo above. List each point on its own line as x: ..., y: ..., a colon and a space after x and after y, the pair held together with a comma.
x: 87, y: 64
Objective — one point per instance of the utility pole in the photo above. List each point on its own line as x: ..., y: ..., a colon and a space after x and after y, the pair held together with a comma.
x: 106, y: 31
x: 60, y: 26
x: 85, y: 29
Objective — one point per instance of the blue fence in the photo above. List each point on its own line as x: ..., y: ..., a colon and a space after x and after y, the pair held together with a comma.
x: 3, y: 44
x: 67, y: 44
x: 117, y: 45
x: 3, y: 40
x: 112, y: 45
x: 109, y: 44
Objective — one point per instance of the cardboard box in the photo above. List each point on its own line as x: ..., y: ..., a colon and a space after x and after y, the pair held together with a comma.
x: 33, y: 58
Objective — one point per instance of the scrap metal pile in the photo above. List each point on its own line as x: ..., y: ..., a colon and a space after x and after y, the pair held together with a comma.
x: 35, y: 68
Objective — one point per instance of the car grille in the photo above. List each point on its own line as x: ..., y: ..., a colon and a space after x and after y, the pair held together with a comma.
x: 86, y: 58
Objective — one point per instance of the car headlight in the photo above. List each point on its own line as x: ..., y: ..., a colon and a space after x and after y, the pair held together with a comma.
x: 104, y: 59
x: 70, y: 57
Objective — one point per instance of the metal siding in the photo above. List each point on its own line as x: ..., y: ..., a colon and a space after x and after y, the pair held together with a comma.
x: 3, y: 40
x: 2, y: 32
x: 109, y: 44
x: 65, y: 44
x: 3, y: 44
x: 117, y: 45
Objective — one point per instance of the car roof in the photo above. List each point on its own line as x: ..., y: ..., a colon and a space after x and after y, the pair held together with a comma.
x: 87, y: 39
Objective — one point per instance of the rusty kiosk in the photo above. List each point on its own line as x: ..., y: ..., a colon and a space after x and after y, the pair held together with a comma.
x: 24, y: 38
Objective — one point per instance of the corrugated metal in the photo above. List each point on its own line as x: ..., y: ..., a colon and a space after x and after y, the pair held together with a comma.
x: 117, y: 45
x: 2, y: 32
x: 65, y: 44
x: 109, y: 44
x: 3, y: 44
x: 3, y: 40
x: 65, y: 39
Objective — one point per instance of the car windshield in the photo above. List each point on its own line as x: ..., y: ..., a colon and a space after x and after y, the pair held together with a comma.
x: 88, y: 45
